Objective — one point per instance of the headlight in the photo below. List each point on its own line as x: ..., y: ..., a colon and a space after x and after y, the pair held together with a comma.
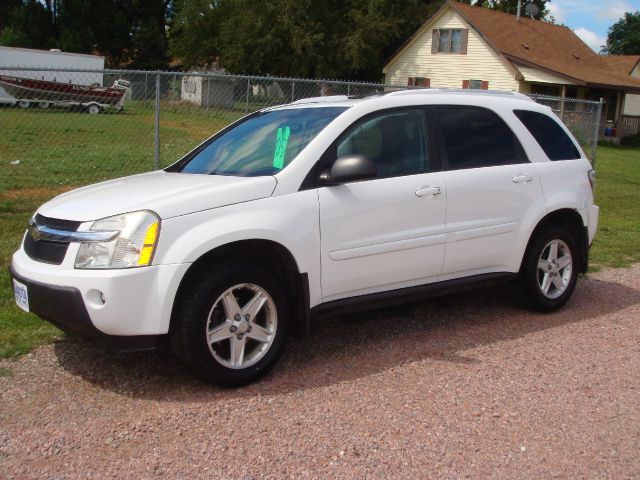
x: 133, y: 247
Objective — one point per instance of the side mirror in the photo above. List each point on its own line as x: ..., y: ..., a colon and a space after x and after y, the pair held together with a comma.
x: 350, y: 168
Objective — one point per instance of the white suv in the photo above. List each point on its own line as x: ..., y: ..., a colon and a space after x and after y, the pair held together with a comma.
x: 323, y: 206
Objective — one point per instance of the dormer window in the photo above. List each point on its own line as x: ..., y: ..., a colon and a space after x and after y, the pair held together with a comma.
x: 450, y: 40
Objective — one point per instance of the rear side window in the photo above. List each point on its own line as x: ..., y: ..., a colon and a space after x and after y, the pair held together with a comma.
x: 549, y: 135
x: 475, y: 137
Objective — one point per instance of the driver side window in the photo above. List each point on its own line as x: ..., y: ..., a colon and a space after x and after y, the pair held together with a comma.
x: 395, y: 141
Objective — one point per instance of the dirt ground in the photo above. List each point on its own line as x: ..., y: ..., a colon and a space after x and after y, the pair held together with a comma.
x: 467, y: 386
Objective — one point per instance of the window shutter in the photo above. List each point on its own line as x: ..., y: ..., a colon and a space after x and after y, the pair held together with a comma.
x: 426, y: 83
x: 465, y: 84
x: 435, y: 38
x: 485, y: 85
x: 411, y: 82
x: 465, y: 41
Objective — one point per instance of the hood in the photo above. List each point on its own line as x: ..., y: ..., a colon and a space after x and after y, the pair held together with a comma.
x: 167, y: 194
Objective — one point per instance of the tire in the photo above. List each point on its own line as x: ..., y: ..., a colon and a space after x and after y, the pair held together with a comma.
x: 203, y: 310
x: 94, y: 109
x: 548, y: 285
x: 24, y: 103
x: 44, y: 105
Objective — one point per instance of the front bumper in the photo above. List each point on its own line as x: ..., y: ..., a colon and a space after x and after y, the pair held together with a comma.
x: 100, y: 304
x: 64, y: 308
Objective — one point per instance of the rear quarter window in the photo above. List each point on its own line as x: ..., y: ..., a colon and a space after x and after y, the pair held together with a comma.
x: 549, y: 134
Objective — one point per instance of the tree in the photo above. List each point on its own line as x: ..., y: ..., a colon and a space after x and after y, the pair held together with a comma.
x: 126, y: 32
x: 511, y: 6
x: 623, y: 37
x: 303, y: 38
x: 149, y: 44
x: 25, y: 24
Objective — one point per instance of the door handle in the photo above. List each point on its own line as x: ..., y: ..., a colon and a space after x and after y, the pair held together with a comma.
x: 427, y: 190
x: 523, y: 178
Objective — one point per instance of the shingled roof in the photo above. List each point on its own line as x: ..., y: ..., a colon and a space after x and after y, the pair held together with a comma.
x: 553, y: 48
x: 622, y: 63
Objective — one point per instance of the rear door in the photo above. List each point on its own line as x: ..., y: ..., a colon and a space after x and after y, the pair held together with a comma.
x: 389, y: 232
x: 492, y: 190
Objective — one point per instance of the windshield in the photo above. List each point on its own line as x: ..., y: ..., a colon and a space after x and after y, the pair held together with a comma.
x: 262, y: 145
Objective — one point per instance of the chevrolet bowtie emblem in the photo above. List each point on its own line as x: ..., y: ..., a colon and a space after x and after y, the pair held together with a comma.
x: 33, y: 230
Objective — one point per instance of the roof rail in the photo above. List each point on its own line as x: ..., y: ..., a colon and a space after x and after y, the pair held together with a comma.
x: 327, y: 99
x: 463, y: 91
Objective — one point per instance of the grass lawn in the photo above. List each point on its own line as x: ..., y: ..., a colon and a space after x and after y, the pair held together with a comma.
x: 58, y: 150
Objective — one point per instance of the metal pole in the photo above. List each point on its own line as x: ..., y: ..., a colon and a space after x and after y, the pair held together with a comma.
x: 246, y: 108
x: 145, y: 89
x: 156, y: 151
x: 596, y: 134
x: 293, y: 90
x: 208, y: 100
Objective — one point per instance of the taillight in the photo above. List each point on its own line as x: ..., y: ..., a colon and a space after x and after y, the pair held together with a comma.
x: 592, y: 178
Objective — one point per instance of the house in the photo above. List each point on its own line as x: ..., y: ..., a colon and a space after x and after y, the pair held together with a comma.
x: 463, y: 46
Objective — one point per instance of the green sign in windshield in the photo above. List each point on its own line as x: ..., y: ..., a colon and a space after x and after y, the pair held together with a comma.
x: 281, y: 147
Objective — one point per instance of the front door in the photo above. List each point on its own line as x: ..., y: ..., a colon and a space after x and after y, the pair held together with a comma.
x: 389, y: 232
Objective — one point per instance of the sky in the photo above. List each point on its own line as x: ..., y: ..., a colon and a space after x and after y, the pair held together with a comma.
x: 591, y: 19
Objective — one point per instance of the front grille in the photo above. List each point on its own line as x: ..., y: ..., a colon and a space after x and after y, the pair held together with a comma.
x: 44, y: 250
x: 57, y: 223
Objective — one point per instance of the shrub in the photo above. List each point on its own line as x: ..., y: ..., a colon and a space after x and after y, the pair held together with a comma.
x: 631, y: 141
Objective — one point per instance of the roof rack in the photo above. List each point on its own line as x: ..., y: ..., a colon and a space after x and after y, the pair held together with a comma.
x: 463, y: 91
x: 327, y: 99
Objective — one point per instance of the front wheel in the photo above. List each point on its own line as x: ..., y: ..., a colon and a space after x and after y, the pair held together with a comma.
x: 231, y: 324
x: 551, y: 269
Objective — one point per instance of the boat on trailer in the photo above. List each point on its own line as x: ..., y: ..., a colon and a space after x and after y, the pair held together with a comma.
x: 28, y: 91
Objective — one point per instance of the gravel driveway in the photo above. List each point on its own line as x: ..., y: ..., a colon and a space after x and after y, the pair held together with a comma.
x: 464, y: 386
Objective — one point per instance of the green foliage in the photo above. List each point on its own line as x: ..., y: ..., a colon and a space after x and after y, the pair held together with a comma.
x: 302, y: 38
x: 127, y: 32
x: 631, y: 141
x: 624, y: 36
x: 25, y: 24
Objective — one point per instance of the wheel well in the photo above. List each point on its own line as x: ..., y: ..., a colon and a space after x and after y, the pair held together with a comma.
x: 572, y: 221
x: 271, y: 256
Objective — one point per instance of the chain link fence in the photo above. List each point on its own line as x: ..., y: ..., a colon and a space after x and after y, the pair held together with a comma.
x: 582, y: 117
x: 62, y: 128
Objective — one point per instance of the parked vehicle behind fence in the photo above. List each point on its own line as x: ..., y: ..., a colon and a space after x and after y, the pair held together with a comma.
x: 320, y: 207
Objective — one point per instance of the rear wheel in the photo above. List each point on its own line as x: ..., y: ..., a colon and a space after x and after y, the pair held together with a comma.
x: 44, y: 105
x: 93, y: 109
x: 551, y: 269
x: 231, y: 324
x: 24, y: 103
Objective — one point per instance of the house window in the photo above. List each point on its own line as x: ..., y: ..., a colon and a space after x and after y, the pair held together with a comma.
x: 449, y: 40
x: 475, y: 84
x: 419, y: 82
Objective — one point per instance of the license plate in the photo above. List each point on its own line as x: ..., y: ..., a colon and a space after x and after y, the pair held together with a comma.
x: 22, y: 295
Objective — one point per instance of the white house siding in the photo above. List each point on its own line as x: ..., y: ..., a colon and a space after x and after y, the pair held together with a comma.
x: 632, y: 102
x: 632, y: 105
x: 448, y: 70
x: 540, y: 76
